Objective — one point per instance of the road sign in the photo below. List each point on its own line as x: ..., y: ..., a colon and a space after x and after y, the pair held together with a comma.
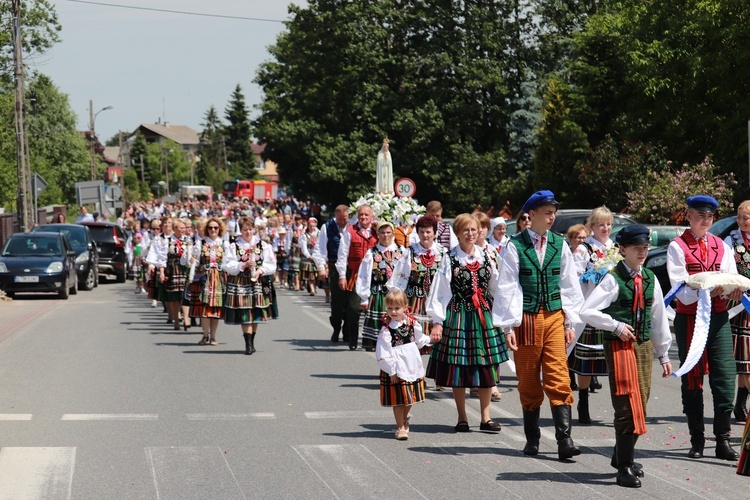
x: 405, y: 187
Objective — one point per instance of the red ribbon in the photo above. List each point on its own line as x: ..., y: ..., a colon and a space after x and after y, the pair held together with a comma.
x: 478, y: 296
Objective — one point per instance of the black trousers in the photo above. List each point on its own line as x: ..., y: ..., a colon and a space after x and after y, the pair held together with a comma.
x: 338, y: 300
x: 351, y: 321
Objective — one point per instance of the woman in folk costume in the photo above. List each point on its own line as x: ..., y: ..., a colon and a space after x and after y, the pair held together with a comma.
x: 248, y: 299
x: 467, y: 349
x: 415, y: 273
x: 172, y: 273
x: 739, y: 241
x: 295, y: 253
x: 374, y: 272
x: 498, y: 237
x: 598, y: 254
x: 208, y: 301
x: 308, y: 270
x: 151, y: 286
x: 628, y: 305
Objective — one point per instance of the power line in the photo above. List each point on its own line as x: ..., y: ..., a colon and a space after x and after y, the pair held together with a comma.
x: 183, y: 12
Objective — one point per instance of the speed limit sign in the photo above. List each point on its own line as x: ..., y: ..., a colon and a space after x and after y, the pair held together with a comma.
x: 405, y: 187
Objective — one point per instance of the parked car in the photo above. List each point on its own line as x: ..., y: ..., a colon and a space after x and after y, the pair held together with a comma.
x: 38, y: 262
x: 87, y: 258
x: 660, y: 235
x: 570, y: 217
x: 110, y: 245
x: 723, y: 227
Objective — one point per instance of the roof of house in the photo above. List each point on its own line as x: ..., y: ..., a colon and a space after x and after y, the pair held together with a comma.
x: 181, y: 134
x: 111, y: 153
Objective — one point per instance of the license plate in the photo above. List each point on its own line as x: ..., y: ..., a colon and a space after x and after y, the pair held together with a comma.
x: 26, y: 279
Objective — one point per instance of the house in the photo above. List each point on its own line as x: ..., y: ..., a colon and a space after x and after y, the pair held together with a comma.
x: 266, y: 168
x: 183, y: 135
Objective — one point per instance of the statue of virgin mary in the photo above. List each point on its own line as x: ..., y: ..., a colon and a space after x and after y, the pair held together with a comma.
x: 384, y: 170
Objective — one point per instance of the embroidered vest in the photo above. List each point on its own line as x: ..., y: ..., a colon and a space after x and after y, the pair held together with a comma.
x: 358, y: 247
x: 462, y: 284
x: 540, y: 283
x: 421, y: 276
x: 246, y: 252
x: 741, y: 253
x: 382, y: 268
x: 334, y: 240
x: 402, y: 335
x: 693, y: 264
x: 622, y: 308
x: 401, y: 235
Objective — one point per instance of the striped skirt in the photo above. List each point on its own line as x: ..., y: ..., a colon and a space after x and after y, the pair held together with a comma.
x: 307, y: 270
x: 741, y: 337
x: 373, y: 318
x: 644, y: 356
x: 468, y: 355
x: 174, y: 286
x: 151, y: 285
x: 401, y: 393
x: 587, y: 361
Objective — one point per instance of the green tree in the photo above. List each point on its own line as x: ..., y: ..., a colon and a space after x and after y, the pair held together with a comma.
x: 237, y: 132
x: 40, y: 28
x: 211, y: 169
x: 433, y: 76
x: 138, y: 153
x: 561, y: 144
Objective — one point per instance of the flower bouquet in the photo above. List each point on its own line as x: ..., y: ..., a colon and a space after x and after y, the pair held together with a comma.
x: 603, y: 262
x: 399, y: 211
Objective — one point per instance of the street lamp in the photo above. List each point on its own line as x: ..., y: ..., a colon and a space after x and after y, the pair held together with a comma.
x: 92, y: 135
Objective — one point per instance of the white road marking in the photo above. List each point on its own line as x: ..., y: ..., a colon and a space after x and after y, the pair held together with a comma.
x: 230, y: 416
x: 348, y: 414
x: 15, y: 416
x: 36, y: 473
x: 109, y: 416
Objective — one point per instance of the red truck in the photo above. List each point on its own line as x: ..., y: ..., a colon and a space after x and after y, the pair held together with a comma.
x: 249, y: 190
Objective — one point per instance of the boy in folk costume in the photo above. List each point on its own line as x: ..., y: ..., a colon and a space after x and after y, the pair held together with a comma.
x: 628, y: 305
x: 539, y: 296
x: 695, y: 251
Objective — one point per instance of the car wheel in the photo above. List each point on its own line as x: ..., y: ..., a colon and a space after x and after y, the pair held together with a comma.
x: 90, y: 281
x: 64, y: 291
x: 121, y: 277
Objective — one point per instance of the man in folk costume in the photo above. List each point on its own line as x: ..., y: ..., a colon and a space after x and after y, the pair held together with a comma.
x: 325, y: 255
x: 539, y: 296
x: 355, y: 242
x: 695, y: 251
x: 445, y: 235
x: 628, y: 305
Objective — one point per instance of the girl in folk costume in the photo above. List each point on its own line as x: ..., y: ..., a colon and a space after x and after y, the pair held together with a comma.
x: 598, y: 254
x: 248, y: 300
x: 158, y: 261
x: 208, y: 301
x: 415, y: 273
x: 485, y: 225
x: 295, y: 254
x: 628, y: 305
x: 374, y: 272
x: 151, y: 288
x: 467, y: 348
x: 172, y: 273
x: 194, y: 282
x: 308, y: 271
x: 401, y: 368
x: 739, y: 241
x: 280, y: 247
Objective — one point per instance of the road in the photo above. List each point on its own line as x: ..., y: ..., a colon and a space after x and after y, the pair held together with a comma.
x: 102, y: 400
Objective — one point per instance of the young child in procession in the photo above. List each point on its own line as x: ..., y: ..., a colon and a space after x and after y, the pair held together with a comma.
x: 628, y: 305
x: 138, y: 262
x: 401, y: 369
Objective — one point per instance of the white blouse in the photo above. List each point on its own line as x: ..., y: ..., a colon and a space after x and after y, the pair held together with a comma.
x: 402, y: 360
x: 364, y: 278
x: 232, y: 265
x: 402, y: 269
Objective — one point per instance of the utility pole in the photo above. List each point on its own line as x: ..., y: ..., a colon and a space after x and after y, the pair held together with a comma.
x: 25, y: 216
x: 91, y: 140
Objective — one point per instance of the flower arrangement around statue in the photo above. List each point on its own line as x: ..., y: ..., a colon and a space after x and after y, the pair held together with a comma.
x: 399, y: 211
x: 603, y: 261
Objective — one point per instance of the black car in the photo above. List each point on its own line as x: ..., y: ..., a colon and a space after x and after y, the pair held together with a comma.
x: 87, y: 258
x: 110, y: 244
x: 569, y: 217
x: 38, y: 262
x: 723, y: 227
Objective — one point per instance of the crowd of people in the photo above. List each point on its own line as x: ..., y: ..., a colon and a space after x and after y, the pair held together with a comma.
x: 469, y: 295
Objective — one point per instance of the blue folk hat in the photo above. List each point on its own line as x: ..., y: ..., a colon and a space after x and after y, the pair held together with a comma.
x: 539, y: 199
x: 702, y: 203
x: 632, y: 235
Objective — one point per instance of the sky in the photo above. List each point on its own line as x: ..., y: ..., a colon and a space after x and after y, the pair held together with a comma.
x: 152, y: 66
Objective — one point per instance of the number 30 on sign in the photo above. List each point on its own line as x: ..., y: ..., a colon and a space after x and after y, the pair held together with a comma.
x: 405, y: 187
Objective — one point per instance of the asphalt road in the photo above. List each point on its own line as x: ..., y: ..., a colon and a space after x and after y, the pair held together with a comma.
x: 100, y: 399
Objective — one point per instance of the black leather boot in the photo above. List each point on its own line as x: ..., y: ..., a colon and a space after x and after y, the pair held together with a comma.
x: 637, y: 466
x: 583, y: 407
x: 740, y: 405
x: 722, y: 426
x: 625, y: 450
x: 595, y: 384
x: 697, y: 434
x: 573, y: 383
x: 247, y: 343
x: 565, y: 447
x: 531, y: 429
x: 252, y: 343
x: 336, y: 330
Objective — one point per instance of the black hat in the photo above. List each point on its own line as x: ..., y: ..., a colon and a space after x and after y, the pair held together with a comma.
x: 632, y: 235
x: 539, y: 199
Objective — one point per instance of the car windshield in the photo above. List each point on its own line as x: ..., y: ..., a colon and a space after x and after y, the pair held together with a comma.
x: 31, y: 246
x: 76, y: 235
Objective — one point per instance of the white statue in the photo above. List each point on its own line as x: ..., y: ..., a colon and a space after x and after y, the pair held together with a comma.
x: 384, y: 170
